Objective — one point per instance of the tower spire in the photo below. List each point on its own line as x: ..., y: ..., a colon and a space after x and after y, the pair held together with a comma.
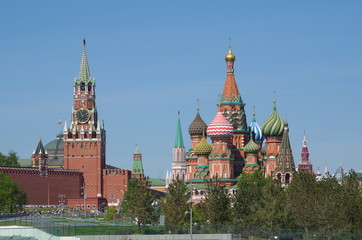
x: 84, y: 73
x: 285, y: 167
x: 137, y: 169
x: 179, y: 140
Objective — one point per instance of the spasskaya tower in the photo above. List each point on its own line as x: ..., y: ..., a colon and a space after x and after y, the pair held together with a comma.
x: 84, y: 140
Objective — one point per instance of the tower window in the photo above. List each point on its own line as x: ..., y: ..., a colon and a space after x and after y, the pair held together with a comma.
x: 89, y: 87
x: 287, y: 178
x: 82, y: 86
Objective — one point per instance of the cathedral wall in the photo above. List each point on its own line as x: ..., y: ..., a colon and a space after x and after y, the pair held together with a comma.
x: 46, y: 190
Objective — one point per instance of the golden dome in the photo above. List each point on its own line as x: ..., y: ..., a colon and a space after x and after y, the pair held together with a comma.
x: 230, y: 56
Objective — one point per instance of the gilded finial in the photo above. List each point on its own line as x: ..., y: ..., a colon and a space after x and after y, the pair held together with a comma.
x: 197, y: 104
x: 254, y: 112
x: 230, y: 57
x: 84, y: 42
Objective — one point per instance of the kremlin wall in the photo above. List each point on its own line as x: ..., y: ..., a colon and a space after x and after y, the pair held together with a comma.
x: 74, y: 165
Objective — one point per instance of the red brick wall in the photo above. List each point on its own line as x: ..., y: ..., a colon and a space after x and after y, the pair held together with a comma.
x: 115, y: 183
x: 46, y: 190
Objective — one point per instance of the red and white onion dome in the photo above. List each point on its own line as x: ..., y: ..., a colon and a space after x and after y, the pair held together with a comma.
x: 219, y: 127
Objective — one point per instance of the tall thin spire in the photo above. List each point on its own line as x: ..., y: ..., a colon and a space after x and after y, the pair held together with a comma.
x: 179, y: 140
x: 84, y: 73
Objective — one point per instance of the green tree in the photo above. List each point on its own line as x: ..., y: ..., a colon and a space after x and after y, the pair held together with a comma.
x: 12, y: 197
x: 328, y: 204
x: 176, y: 203
x: 351, y: 203
x: 139, y: 202
x: 246, y: 201
x: 271, y: 209
x: 10, y: 160
x: 217, y: 203
x: 302, y: 194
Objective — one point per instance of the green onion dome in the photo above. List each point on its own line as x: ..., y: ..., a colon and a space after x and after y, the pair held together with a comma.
x: 198, y: 126
x: 274, y: 125
x: 251, y: 147
x: 203, y: 147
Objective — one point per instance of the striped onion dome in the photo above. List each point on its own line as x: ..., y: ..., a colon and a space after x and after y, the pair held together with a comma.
x: 220, y: 126
x: 251, y: 147
x: 274, y: 125
x: 256, y: 130
x: 198, y: 126
x: 203, y: 147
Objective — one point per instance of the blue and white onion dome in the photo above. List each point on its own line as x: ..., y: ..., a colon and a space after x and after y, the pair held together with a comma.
x: 256, y: 130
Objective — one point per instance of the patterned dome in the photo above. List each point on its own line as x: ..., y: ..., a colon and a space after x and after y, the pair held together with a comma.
x: 203, y: 147
x: 256, y: 130
x: 274, y: 125
x: 251, y: 147
x: 198, y: 126
x: 220, y: 126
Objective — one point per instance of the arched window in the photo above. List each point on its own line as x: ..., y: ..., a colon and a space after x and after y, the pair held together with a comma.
x: 287, y: 178
x: 279, y: 176
x: 82, y: 86
x: 89, y: 87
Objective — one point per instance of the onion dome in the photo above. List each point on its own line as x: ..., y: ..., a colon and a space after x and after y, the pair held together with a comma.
x: 230, y: 56
x: 220, y: 126
x: 274, y: 125
x: 251, y: 147
x: 256, y: 130
x: 198, y: 126
x: 203, y: 147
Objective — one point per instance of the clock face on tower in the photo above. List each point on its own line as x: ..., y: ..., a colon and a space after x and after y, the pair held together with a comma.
x: 82, y: 115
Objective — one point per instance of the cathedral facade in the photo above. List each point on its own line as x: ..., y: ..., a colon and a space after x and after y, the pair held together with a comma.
x: 235, y: 146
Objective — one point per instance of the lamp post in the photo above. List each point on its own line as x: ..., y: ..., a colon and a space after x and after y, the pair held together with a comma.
x: 84, y: 198
x: 191, y: 212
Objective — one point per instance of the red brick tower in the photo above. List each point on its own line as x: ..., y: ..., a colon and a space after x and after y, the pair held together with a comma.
x: 305, y: 164
x: 232, y: 107
x: 84, y: 140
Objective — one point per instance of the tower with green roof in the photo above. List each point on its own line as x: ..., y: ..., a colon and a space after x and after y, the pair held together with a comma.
x: 179, y: 156
x: 85, y: 139
x: 272, y: 129
x: 285, y: 166
x: 137, y: 169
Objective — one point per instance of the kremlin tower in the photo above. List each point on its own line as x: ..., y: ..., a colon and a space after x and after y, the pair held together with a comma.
x: 305, y: 164
x: 179, y: 157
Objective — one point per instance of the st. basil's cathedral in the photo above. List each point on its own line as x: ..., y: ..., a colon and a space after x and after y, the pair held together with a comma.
x: 236, y: 147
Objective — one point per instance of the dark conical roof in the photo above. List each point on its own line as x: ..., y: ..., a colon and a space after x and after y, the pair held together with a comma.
x: 40, y: 148
x: 285, y: 160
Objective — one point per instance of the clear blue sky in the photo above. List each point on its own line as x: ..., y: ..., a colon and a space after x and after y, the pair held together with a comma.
x: 153, y: 58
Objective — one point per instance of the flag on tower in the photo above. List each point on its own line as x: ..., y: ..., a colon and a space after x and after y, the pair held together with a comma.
x: 60, y: 121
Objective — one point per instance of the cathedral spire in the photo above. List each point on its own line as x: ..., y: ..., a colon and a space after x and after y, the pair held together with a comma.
x: 285, y: 167
x: 179, y: 140
x: 231, y: 91
x: 84, y: 73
